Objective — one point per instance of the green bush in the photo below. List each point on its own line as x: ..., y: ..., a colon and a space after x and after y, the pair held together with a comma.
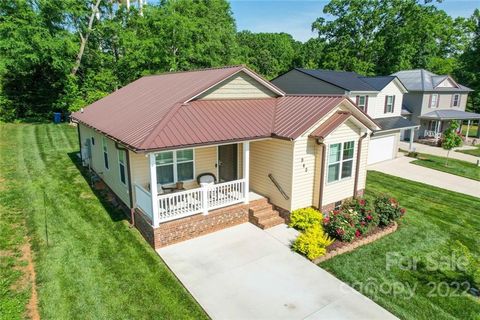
x: 388, y: 209
x: 303, y: 219
x: 342, y: 224
x: 312, y: 243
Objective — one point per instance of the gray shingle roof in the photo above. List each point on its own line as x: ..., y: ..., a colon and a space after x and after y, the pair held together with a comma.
x: 392, y: 123
x: 379, y: 82
x: 350, y: 81
x: 451, y: 114
x: 423, y: 80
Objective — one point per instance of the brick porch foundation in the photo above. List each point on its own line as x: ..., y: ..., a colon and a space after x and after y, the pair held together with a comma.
x: 190, y: 227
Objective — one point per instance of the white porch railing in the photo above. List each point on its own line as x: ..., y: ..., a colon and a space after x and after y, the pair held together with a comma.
x: 200, y: 200
x: 432, y: 134
x: 144, y: 201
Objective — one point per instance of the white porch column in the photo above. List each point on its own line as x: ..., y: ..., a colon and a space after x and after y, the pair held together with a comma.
x: 153, y: 189
x: 410, y: 146
x: 437, y: 129
x: 246, y: 169
x: 468, y: 129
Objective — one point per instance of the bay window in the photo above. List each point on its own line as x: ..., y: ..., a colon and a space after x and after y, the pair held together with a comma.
x: 174, y: 166
x: 340, y: 161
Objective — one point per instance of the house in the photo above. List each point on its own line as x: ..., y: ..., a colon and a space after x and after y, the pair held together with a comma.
x: 380, y: 97
x: 433, y: 101
x: 193, y: 152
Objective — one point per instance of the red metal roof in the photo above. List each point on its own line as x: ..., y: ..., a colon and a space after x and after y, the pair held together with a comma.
x: 151, y: 113
x: 328, y: 126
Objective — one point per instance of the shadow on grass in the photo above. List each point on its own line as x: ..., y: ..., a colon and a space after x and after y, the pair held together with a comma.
x: 117, y: 211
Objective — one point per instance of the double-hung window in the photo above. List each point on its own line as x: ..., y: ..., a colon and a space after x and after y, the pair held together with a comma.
x: 362, y: 102
x: 389, y: 101
x: 174, y: 166
x: 433, y: 100
x: 456, y: 100
x: 340, y: 161
x: 122, y: 166
x: 105, y: 152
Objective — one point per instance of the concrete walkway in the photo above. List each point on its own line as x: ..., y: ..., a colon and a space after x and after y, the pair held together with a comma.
x: 438, y: 151
x: 246, y: 273
x: 401, y: 167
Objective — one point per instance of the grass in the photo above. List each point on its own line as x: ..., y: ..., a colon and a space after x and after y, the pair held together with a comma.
x: 434, y: 218
x: 472, y: 132
x: 457, y: 167
x: 94, y: 266
x: 474, y: 152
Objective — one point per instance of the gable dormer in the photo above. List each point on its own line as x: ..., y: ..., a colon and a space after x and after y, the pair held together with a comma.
x: 242, y: 85
x: 446, y: 82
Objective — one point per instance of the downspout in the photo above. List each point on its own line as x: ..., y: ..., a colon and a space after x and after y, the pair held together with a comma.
x: 130, y: 190
x: 322, y: 173
x: 357, y: 166
x: 79, y: 142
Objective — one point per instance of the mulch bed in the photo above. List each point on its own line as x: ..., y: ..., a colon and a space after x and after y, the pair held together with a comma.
x: 340, y: 247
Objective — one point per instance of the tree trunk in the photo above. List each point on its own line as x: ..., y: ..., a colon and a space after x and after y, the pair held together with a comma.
x: 446, y: 161
x: 84, y: 39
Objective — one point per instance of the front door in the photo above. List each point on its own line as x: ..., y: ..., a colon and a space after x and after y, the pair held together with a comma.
x: 227, y: 162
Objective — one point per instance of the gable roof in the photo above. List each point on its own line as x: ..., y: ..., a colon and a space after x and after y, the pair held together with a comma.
x: 424, y: 80
x: 329, y: 126
x: 157, y: 112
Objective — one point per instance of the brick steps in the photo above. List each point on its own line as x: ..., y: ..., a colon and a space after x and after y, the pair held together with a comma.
x: 263, y: 215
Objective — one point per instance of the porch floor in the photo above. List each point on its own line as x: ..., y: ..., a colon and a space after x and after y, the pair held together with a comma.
x: 252, y: 196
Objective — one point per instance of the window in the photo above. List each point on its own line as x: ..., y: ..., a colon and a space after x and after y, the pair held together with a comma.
x: 433, y: 100
x: 121, y: 166
x: 340, y: 161
x: 105, y: 152
x: 173, y: 166
x: 389, y: 104
x: 362, y: 102
x: 93, y: 140
x: 455, y: 100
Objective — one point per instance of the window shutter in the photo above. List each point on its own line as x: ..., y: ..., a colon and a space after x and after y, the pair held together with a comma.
x: 438, y: 100
x: 385, y: 106
x: 451, y: 101
x: 430, y: 101
x: 393, y: 104
x: 366, y: 104
x: 459, y: 99
x: 357, y: 99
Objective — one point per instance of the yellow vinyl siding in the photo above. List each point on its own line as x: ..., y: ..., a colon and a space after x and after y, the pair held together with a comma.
x: 276, y: 157
x: 303, y: 172
x: 239, y: 86
x: 339, y: 190
x: 110, y: 176
x: 362, y: 170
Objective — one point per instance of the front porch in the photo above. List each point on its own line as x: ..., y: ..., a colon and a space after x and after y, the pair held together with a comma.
x: 436, y: 122
x: 173, y: 190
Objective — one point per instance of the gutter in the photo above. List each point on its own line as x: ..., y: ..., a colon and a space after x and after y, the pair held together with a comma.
x: 357, y: 165
x: 79, y: 142
x: 322, y: 173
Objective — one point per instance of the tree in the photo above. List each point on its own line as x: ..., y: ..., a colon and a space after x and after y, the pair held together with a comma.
x: 451, y: 139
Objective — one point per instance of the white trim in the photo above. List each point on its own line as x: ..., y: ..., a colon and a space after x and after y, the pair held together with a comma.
x: 238, y: 162
x: 153, y: 190
x: 175, y: 164
x: 248, y: 72
x: 339, y: 162
x: 246, y: 168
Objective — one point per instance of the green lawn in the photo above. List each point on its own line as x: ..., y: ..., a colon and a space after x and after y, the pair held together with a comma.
x: 473, y: 152
x: 457, y: 167
x: 472, y: 132
x: 95, y: 266
x: 434, y: 218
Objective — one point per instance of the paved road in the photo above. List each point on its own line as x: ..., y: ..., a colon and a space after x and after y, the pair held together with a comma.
x: 401, y: 167
x: 246, y: 273
x: 437, y: 151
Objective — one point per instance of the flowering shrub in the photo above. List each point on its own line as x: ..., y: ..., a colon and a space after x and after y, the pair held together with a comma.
x: 388, y: 209
x: 342, y: 224
x: 312, y: 243
x: 367, y: 218
x: 303, y: 219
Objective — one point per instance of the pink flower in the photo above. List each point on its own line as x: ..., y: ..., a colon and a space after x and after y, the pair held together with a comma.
x: 362, y: 202
x: 358, y: 233
x: 335, y: 212
x: 326, y: 220
x: 340, y: 232
x: 369, y: 217
x: 363, y: 223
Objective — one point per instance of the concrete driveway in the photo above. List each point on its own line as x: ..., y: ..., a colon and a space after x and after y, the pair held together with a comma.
x: 438, y: 151
x: 401, y: 167
x: 246, y: 273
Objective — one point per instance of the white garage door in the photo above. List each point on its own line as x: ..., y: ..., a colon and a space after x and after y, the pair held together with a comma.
x: 381, y: 149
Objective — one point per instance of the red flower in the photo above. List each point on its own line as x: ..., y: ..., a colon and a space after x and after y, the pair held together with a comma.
x: 335, y: 212
x: 369, y: 217
x: 362, y: 202
x: 358, y: 233
x: 402, y: 211
x: 326, y: 220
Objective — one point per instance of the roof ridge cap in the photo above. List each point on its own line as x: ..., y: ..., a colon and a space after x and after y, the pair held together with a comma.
x: 195, y: 70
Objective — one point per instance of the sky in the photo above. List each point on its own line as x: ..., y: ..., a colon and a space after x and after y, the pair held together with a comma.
x: 296, y: 16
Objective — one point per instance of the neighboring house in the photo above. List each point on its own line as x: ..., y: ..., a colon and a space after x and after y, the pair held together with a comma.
x: 155, y: 140
x: 433, y: 101
x: 379, y: 97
